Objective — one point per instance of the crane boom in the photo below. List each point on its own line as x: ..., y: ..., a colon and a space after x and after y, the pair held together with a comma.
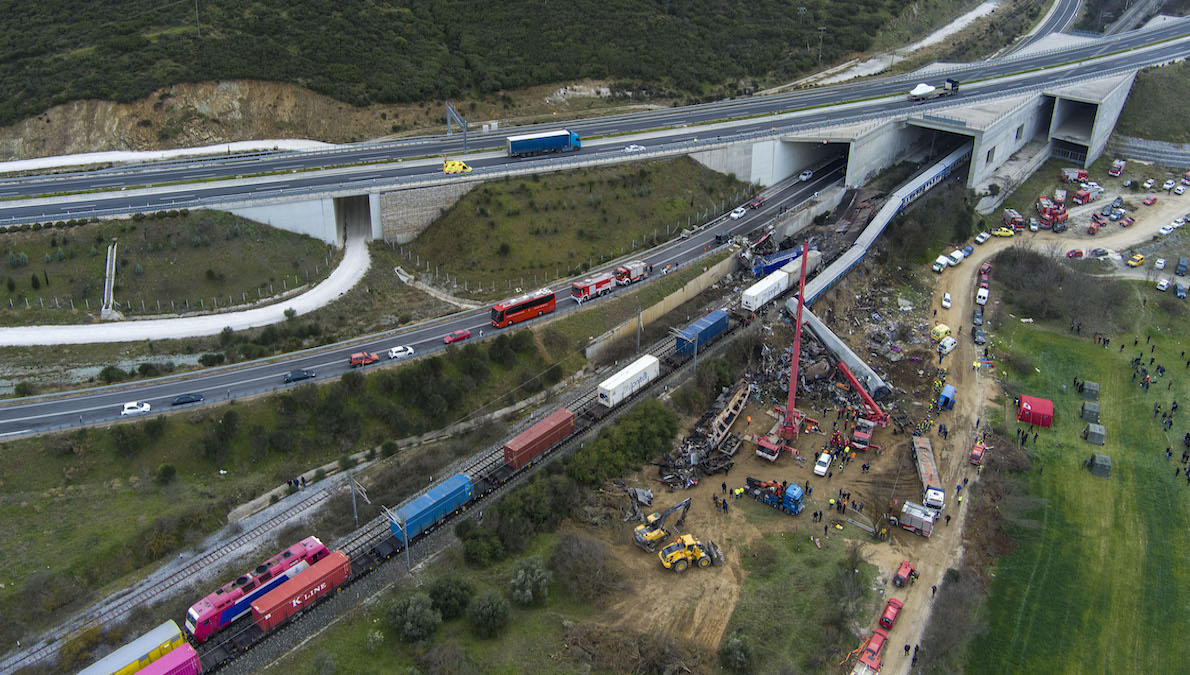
x: 875, y: 414
x: 792, y: 418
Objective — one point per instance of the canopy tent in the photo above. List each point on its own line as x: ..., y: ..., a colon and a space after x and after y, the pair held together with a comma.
x: 1036, y: 411
x: 1095, y: 433
x: 1090, y: 391
x: 1090, y: 411
x: 1100, y: 466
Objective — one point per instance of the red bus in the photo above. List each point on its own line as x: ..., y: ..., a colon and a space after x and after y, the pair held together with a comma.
x: 523, y: 308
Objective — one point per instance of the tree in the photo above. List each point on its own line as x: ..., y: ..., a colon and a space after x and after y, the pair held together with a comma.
x: 413, y: 618
x: 488, y: 614
x: 35, y: 282
x: 530, y: 582
x: 736, y: 653
x: 450, y: 595
x: 165, y: 474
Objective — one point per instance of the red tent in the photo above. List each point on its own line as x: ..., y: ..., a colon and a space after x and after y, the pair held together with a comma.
x: 1035, y: 410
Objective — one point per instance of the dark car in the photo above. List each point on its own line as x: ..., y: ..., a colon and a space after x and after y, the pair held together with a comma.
x: 1118, y: 202
x: 1106, y: 211
x: 186, y: 399
x: 968, y: 250
x: 977, y: 333
x: 1060, y: 227
x: 299, y: 375
x: 977, y: 317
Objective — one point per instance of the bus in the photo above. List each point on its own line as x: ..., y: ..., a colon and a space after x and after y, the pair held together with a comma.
x: 523, y: 308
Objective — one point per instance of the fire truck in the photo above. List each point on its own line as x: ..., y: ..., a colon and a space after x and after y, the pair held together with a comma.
x: 632, y: 272
x: 593, y: 286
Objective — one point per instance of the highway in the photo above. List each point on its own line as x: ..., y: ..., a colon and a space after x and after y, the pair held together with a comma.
x: 199, y: 182
x: 1058, y: 21
x: 220, y: 384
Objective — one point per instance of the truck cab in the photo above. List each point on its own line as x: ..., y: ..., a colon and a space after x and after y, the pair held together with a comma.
x: 976, y: 457
x: 941, y: 264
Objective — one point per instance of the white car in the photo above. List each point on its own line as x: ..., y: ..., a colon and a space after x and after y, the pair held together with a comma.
x: 1180, y: 190
x: 738, y: 213
x: 1168, y: 229
x: 1177, y: 222
x: 634, y: 148
x: 806, y: 175
x: 400, y: 352
x: 982, y: 237
x: 1167, y: 185
x: 823, y: 464
x: 1149, y: 184
x: 135, y: 408
x: 1159, y: 263
x: 1163, y: 285
x: 946, y: 301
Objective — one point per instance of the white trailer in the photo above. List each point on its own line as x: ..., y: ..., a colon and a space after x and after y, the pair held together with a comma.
x: 628, y: 381
x: 917, y: 519
x: 766, y: 290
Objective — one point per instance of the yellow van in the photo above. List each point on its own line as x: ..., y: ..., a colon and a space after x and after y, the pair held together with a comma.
x: 940, y: 331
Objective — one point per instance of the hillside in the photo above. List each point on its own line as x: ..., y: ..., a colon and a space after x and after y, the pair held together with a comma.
x: 363, y: 52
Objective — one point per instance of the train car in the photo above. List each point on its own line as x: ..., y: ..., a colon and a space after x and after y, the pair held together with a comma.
x: 433, y: 507
x: 300, y: 592
x: 234, y: 599
x: 135, y: 656
x: 702, y: 332
x: 181, y: 661
x: 523, y: 308
x: 628, y: 381
x: 540, y: 437
x: 765, y: 291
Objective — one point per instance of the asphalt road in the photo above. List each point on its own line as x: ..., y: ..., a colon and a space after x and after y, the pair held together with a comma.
x: 1060, y: 20
x: 220, y: 384
x: 196, y: 176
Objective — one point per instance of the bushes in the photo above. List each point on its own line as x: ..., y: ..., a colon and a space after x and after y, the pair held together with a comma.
x: 584, y: 567
x: 530, y: 582
x: 413, y: 618
x: 538, y: 506
x: 736, y: 653
x: 488, y: 614
x: 1044, y: 287
x: 638, y: 437
x: 450, y: 596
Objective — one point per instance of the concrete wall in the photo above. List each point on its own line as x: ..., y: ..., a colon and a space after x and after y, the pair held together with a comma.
x: 791, y: 223
x: 1007, y: 135
x: 766, y: 162
x: 879, y: 148
x: 315, y: 217
x: 733, y: 159
x: 404, y: 214
x: 1109, y: 114
x: 677, y: 298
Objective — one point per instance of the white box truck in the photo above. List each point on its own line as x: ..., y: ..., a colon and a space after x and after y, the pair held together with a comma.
x: 628, y: 381
x: 766, y: 290
x: 956, y: 256
x: 941, y: 263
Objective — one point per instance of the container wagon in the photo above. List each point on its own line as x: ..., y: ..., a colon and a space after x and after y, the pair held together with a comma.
x: 543, y: 142
x: 181, y: 661
x: 628, y: 381
x: 136, y: 655
x: 702, y: 332
x: 428, y: 510
x: 540, y: 437
x: 301, y: 591
x: 765, y: 291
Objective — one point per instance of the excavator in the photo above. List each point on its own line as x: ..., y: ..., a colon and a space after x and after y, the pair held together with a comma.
x: 687, y: 551
x: 652, y: 531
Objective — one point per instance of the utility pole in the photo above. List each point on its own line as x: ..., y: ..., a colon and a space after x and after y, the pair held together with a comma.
x: 821, y: 32
x: 400, y: 522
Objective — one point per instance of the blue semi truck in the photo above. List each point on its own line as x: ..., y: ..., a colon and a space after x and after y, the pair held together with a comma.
x: 787, y: 497
x: 543, y: 142
x: 702, y: 332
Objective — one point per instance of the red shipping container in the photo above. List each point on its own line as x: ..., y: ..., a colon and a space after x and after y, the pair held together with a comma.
x: 538, y: 438
x: 296, y: 594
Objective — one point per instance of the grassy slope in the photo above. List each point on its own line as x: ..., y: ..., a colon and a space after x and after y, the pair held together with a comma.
x: 562, y: 223
x: 1150, y: 109
x: 1100, y: 585
x: 174, y: 256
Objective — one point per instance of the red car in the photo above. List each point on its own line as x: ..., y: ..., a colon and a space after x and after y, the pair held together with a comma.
x: 985, y: 268
x: 1150, y: 200
x: 457, y: 336
x: 905, y: 573
x: 1125, y: 222
x: 891, y: 611
x: 1075, y: 253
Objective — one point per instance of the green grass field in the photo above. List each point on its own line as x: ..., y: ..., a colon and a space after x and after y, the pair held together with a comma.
x: 1100, y: 584
x: 1150, y: 110
x: 516, y: 233
x: 200, y: 258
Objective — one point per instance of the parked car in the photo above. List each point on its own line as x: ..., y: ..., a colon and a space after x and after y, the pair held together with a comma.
x: 985, y: 268
x: 1075, y: 253
x: 1002, y: 232
x: 1034, y: 226
x: 1117, y: 203
x: 299, y: 375
x: 1148, y: 184
x: 1099, y: 253
x: 1127, y: 222
x: 135, y: 408
x: 977, y: 316
x: 738, y: 213
x: 1150, y: 200
x: 1163, y: 285
x: 968, y: 250
x: 186, y: 399
x: 806, y: 175
x: 891, y: 611
x: 946, y: 301
x: 1116, y: 214
x: 1136, y: 260
x: 947, y: 345
x: 978, y: 335
x: 823, y: 463
x: 456, y: 336
x: 1060, y: 227
x: 1166, y: 230
x: 1106, y: 210
x: 1167, y: 185
x: 1180, y: 190
x: 1180, y: 291
x: 1159, y: 263
x: 905, y: 573
x: 982, y: 237
x: 401, y: 352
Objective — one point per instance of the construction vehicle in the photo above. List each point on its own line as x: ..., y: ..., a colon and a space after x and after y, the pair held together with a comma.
x: 874, y: 414
x: 687, y: 551
x: 781, y: 496
x: 650, y: 533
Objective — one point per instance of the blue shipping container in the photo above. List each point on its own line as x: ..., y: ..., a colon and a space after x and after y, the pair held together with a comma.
x: 762, y: 267
x: 541, y: 142
x: 705, y: 330
x: 424, y: 512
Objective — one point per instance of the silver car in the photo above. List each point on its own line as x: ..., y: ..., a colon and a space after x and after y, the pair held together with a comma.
x: 401, y: 352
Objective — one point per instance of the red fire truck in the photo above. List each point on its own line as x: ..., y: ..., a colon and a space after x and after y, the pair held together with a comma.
x: 593, y: 286
x: 632, y: 272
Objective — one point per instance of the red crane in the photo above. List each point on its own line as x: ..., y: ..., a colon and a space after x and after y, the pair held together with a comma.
x: 792, y: 418
x: 875, y: 414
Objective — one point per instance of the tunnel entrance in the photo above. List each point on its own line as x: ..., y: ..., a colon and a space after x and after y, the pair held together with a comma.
x: 353, y: 218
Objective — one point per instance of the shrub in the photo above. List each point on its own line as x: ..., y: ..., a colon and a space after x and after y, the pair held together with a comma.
x: 212, y: 359
x: 165, y: 474
x: 530, y: 582
x: 584, y: 567
x: 319, y: 475
x: 111, y: 374
x: 23, y: 389
x: 374, y: 641
x: 389, y: 448
x: 488, y: 614
x: 736, y: 654
x: 413, y: 618
x: 450, y: 595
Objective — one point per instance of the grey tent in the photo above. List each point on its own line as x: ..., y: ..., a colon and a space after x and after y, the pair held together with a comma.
x: 1090, y: 411
x: 1100, y: 466
x: 1095, y: 433
x: 1090, y: 391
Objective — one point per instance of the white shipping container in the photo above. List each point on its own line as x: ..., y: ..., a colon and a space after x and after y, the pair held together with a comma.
x: 764, y: 291
x: 794, y: 269
x: 628, y: 381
